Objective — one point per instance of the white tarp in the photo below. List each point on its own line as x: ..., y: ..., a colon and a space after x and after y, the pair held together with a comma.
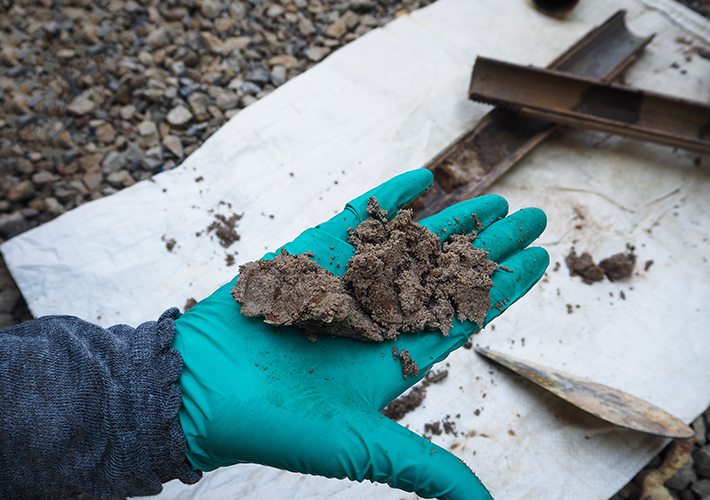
x: 387, y: 103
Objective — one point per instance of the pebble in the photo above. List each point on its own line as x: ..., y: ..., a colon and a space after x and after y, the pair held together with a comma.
x: 81, y: 106
x: 106, y: 133
x: 278, y: 75
x: 120, y: 179
x: 149, y: 132
x: 179, y: 116
x: 114, y: 161
x: 702, y: 461
x: 23, y: 190
x: 700, y: 430
x: 683, y: 477
x: 12, y: 225
x: 173, y: 144
x: 315, y: 53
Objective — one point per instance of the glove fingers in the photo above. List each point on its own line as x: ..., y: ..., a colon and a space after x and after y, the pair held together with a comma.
x: 528, y: 266
x: 391, y: 196
x: 380, y: 450
x: 471, y: 215
x: 511, y: 234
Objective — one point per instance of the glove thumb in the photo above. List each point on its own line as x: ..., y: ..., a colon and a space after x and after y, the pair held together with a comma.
x: 389, y: 453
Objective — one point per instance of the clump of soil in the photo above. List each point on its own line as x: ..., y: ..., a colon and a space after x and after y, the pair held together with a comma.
x: 408, y: 402
x: 616, y: 267
x: 294, y: 290
x: 584, y: 266
x: 224, y: 229
x: 409, y: 366
x: 401, y: 279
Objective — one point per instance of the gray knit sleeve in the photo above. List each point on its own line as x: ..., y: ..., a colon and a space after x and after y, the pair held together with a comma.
x: 89, y: 409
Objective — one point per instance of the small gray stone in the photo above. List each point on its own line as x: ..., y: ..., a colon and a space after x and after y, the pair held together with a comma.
x: 92, y: 180
x: 315, y: 53
x: 27, y: 119
x: 120, y: 179
x: 278, y: 76
x: 362, y: 5
x: 686, y: 495
x: 210, y: 8
x: 149, y: 132
x: 23, y: 190
x: 700, y: 431
x: 226, y: 100
x: 43, y: 177
x: 158, y: 38
x: 683, y: 477
x: 701, y: 488
x: 153, y: 159
x: 81, y: 105
x: 198, y: 104
x: 275, y: 10
x: 259, y: 76
x: 250, y: 88
x: 114, y: 161
x: 179, y: 116
x: 336, y: 29
x: 702, y: 461
x: 306, y: 27
x: 53, y: 206
x: 12, y: 225
x: 173, y: 144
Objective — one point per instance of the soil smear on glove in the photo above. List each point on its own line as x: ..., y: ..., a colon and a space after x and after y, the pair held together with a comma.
x: 401, y: 279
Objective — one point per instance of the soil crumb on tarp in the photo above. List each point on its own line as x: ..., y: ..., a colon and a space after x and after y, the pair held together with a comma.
x: 584, y: 266
x: 616, y: 267
x: 401, y: 279
x: 224, y: 229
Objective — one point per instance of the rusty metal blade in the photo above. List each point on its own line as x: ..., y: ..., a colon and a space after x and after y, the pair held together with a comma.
x: 606, y: 403
x: 589, y: 103
x: 480, y: 156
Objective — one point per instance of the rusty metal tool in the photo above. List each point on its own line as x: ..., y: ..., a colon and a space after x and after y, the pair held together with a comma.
x: 480, y: 156
x: 602, y: 401
x: 589, y: 103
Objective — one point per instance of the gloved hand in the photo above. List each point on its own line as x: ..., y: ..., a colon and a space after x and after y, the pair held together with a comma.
x: 253, y: 393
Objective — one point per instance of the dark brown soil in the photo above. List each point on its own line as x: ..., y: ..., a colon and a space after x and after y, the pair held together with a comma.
x: 409, y: 366
x: 616, y: 267
x: 401, y: 279
x: 189, y: 304
x: 408, y: 402
x: 294, y: 290
x: 584, y: 266
x: 224, y: 229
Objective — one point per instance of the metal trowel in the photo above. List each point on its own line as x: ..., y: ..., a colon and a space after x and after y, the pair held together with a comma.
x: 607, y: 403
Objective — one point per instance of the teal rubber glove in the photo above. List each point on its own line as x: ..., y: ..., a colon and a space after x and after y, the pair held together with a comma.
x: 253, y: 393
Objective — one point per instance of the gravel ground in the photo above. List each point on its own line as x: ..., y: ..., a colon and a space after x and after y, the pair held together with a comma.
x: 98, y: 95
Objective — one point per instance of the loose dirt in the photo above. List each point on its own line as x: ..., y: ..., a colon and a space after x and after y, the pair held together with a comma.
x: 584, y: 266
x: 411, y: 400
x: 616, y: 267
x: 401, y: 279
x: 224, y: 229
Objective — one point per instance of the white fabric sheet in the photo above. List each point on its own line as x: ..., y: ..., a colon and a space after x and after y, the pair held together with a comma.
x: 382, y: 105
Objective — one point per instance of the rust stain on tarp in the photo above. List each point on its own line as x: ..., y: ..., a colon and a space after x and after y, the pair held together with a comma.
x: 600, y: 400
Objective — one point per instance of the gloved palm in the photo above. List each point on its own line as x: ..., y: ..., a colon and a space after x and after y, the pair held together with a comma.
x: 259, y: 394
